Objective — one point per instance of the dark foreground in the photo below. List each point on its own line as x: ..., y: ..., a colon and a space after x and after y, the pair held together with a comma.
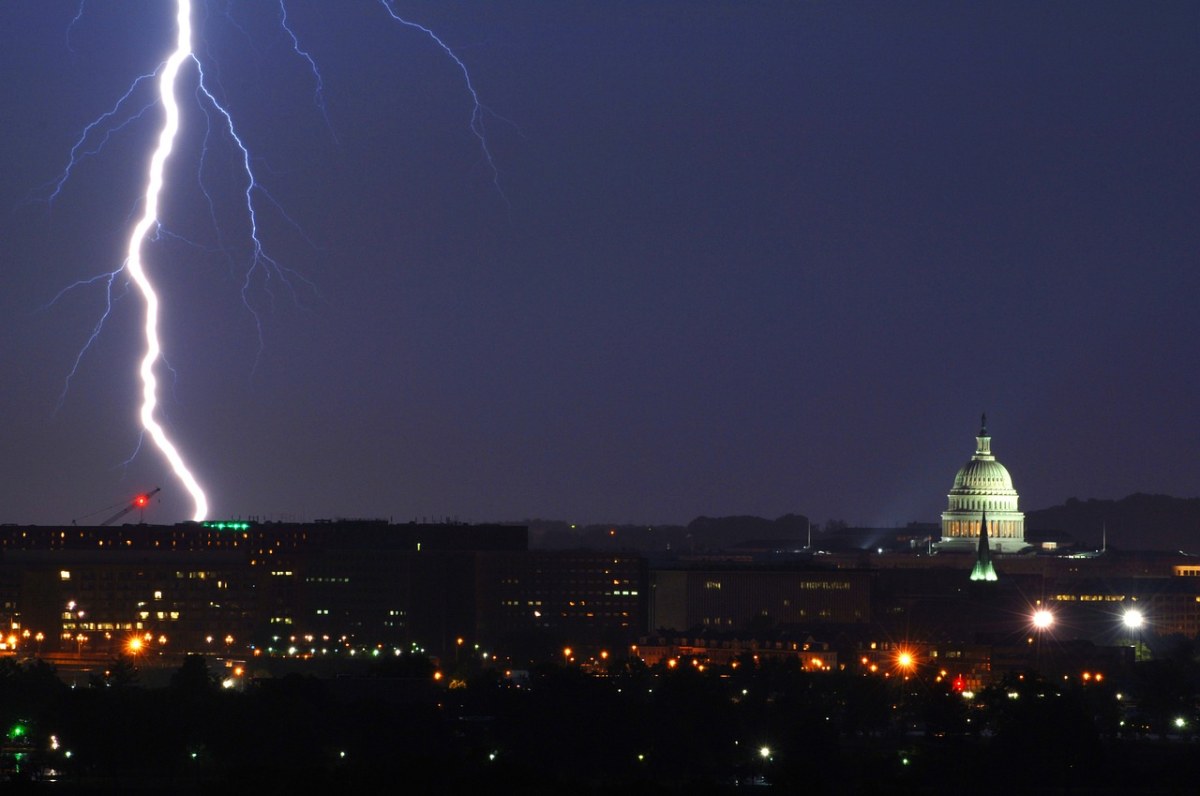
x: 632, y: 731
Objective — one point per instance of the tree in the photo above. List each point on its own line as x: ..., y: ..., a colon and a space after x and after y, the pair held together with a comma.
x: 193, y: 678
x: 121, y: 672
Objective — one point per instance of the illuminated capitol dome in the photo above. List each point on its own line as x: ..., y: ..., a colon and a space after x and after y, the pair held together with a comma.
x: 983, y: 487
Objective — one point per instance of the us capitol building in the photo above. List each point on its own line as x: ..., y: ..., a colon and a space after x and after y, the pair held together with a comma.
x: 982, y: 488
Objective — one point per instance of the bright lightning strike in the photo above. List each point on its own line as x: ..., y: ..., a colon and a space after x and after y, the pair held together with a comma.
x: 263, y: 268
x: 133, y: 260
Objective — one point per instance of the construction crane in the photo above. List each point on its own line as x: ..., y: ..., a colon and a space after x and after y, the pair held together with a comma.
x: 139, y: 502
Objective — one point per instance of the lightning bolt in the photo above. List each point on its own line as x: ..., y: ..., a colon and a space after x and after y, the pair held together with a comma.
x: 263, y: 269
x: 319, y: 91
x: 133, y: 260
x: 78, y: 153
x: 478, y: 110
x: 260, y: 261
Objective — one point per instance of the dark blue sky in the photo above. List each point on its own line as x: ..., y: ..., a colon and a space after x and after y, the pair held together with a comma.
x: 745, y: 258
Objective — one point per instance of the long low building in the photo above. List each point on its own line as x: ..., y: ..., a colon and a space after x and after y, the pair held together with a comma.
x: 322, y: 588
x: 222, y: 586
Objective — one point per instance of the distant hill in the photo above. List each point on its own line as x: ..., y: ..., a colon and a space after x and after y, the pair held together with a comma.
x: 703, y: 534
x: 1137, y: 522
x: 559, y: 535
x: 717, y: 533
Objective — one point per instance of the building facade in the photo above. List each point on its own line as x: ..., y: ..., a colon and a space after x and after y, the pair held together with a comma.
x: 734, y: 598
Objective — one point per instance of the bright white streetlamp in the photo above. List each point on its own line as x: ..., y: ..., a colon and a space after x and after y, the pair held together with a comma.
x: 1134, y: 620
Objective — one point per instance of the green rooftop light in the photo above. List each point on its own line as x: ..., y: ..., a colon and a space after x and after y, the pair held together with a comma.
x: 227, y: 525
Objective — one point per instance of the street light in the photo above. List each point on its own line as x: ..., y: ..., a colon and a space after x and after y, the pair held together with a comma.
x: 764, y: 754
x: 1043, y: 620
x: 1134, y: 620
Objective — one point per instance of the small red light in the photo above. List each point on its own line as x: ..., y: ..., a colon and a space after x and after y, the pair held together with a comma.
x: 140, y: 501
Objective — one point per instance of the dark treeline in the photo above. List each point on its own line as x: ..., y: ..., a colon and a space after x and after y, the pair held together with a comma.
x: 1136, y: 522
x: 665, y: 730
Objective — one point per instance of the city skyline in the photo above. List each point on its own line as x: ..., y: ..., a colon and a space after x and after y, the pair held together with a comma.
x: 740, y: 260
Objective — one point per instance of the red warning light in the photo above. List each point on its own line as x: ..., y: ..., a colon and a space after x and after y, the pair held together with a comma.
x: 959, y: 684
x: 141, y: 501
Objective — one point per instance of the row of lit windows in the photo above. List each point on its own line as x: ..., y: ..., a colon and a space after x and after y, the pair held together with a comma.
x: 1001, y: 529
x: 172, y: 615
x: 58, y: 544
x: 95, y: 627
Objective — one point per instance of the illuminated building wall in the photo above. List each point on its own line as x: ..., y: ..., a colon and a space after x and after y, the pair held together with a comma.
x: 736, y: 598
x: 200, y: 584
x: 584, y: 596
x: 1094, y: 607
x: 92, y: 603
x: 373, y: 583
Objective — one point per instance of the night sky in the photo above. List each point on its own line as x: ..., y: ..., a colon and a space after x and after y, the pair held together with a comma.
x: 736, y: 258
